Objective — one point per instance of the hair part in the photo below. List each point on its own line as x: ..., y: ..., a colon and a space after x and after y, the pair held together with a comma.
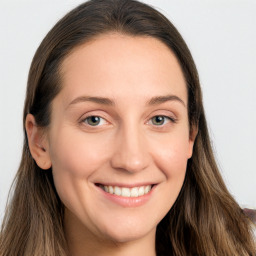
x: 205, y: 219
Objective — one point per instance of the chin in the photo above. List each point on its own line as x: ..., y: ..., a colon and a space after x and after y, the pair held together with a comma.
x: 124, y: 232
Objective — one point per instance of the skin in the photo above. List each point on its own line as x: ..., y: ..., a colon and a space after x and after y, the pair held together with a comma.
x: 126, y: 148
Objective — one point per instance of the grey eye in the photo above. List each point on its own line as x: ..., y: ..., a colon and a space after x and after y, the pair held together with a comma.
x: 93, y: 120
x: 158, y: 120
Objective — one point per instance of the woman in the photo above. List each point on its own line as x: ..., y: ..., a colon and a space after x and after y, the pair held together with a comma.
x: 117, y: 158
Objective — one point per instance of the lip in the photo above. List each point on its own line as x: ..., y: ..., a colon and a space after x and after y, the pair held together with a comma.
x: 125, y: 185
x: 127, y: 201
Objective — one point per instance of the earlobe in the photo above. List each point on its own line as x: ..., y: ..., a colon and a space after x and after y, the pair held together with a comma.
x: 38, y: 144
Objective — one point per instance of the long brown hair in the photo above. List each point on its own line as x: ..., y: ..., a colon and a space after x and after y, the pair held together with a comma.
x: 205, y: 219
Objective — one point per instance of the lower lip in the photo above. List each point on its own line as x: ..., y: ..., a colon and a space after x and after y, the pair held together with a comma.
x: 128, y: 201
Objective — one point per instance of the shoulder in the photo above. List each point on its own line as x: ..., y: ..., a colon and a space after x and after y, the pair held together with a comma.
x: 251, y: 214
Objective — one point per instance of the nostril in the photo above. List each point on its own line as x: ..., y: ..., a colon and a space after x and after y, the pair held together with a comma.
x: 130, y: 154
x: 129, y: 163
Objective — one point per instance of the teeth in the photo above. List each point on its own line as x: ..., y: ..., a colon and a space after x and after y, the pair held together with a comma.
x: 110, y: 190
x: 141, y: 191
x: 135, y: 192
x: 127, y: 192
x: 147, y: 189
x: 117, y: 191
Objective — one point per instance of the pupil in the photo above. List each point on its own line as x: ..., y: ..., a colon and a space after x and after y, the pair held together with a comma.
x: 94, y: 120
x: 159, y: 120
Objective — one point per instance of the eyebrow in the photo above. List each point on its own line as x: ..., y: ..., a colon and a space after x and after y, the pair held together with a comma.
x: 162, y: 99
x: 106, y: 101
x: 99, y: 100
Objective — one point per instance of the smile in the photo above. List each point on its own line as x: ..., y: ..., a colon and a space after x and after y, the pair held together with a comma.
x: 127, y: 192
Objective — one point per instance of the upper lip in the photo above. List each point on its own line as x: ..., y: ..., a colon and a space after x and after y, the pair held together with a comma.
x: 126, y: 185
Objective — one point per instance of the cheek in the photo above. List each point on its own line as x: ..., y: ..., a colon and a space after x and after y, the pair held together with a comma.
x: 75, y: 157
x: 76, y: 154
x: 171, y: 157
x: 174, y: 167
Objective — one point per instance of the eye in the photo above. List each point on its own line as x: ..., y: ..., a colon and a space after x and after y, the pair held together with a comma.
x: 94, y: 120
x: 160, y: 120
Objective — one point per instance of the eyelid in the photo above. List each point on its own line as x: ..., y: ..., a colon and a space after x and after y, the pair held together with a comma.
x: 167, y: 114
x: 84, y: 120
x: 171, y: 119
x: 102, y: 116
x: 164, y: 112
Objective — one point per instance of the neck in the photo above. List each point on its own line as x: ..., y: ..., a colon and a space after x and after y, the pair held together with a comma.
x: 83, y: 242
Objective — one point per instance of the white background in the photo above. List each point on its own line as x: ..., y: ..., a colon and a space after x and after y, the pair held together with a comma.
x: 221, y: 35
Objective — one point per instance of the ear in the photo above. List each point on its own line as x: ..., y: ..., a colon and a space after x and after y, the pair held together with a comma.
x: 192, y: 136
x: 38, y: 143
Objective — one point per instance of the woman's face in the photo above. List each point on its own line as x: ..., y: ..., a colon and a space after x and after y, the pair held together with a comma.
x: 119, y: 136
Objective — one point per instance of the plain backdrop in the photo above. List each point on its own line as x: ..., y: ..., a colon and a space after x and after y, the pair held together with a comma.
x: 221, y: 35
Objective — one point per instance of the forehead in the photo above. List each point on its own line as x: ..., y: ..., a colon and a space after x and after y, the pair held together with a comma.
x: 122, y: 65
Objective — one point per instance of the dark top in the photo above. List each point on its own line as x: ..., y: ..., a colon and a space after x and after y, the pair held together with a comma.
x: 251, y: 214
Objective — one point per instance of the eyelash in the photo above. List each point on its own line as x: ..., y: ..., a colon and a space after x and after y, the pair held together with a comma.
x: 85, y: 120
x: 166, y: 120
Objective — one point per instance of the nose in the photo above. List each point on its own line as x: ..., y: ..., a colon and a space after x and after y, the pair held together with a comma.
x: 130, y: 151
